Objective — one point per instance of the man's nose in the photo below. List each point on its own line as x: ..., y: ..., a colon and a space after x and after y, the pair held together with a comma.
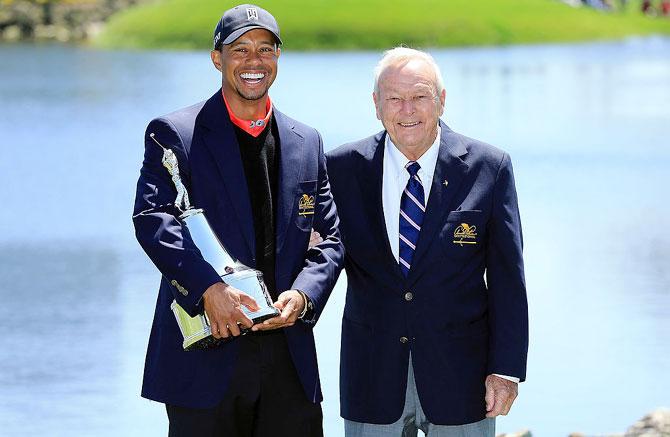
x: 254, y: 57
x: 408, y: 106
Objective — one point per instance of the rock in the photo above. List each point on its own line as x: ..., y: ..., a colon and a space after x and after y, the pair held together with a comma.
x: 654, y: 424
x: 579, y: 434
x: 94, y: 28
x: 11, y: 33
x: 522, y: 433
x: 52, y: 32
x: 58, y: 20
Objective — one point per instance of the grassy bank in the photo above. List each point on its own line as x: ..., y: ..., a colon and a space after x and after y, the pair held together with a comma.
x: 374, y: 24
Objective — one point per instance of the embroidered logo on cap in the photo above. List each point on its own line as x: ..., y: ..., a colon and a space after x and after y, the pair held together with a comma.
x: 252, y: 14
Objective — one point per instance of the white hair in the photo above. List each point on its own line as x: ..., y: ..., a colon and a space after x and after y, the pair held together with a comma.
x: 403, y: 55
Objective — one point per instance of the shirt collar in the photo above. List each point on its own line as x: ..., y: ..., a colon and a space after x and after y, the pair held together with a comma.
x: 427, y: 161
x: 252, y: 127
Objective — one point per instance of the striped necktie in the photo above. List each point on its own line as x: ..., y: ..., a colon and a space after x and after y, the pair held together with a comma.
x: 412, y: 210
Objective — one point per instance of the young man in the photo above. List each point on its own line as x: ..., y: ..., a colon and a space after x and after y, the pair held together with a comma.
x: 250, y: 168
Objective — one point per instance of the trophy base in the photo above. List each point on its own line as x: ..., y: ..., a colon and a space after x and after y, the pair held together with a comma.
x: 208, y: 342
x: 198, y: 333
x: 264, y: 317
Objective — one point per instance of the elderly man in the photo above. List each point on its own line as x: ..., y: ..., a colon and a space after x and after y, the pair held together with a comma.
x: 260, y: 177
x: 435, y: 330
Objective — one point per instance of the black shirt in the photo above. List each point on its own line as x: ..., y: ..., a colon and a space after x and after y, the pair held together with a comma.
x: 260, y: 161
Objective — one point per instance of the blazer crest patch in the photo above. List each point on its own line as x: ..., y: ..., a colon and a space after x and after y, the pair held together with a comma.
x: 465, y: 234
x: 306, y: 205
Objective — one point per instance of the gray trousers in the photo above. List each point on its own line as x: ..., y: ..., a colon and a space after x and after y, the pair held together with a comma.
x: 414, y: 419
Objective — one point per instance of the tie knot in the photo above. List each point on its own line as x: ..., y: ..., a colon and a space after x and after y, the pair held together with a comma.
x: 413, y: 168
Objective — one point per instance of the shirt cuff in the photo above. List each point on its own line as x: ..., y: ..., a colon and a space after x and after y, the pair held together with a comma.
x: 509, y: 378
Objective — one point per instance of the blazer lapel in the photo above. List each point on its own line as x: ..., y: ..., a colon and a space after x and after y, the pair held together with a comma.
x: 371, y: 177
x: 220, y: 139
x: 450, y: 168
x: 290, y: 162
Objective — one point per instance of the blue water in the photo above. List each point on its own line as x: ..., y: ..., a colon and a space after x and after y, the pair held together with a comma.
x: 587, y: 128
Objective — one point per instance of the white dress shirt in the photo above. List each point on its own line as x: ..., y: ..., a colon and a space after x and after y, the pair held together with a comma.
x: 394, y: 181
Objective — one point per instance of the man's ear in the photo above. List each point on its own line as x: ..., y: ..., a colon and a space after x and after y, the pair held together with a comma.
x: 443, y: 98
x: 375, y: 100
x: 216, y: 59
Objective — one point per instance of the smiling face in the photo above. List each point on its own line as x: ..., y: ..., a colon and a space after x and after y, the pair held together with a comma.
x: 408, y: 105
x: 248, y: 66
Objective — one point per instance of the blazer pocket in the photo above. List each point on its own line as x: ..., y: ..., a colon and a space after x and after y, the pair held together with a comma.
x: 469, y: 214
x: 463, y: 233
x: 305, y: 205
x: 476, y: 328
x: 356, y: 360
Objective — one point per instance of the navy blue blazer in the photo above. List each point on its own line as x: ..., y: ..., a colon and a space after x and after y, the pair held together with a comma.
x: 466, y: 316
x: 204, y: 141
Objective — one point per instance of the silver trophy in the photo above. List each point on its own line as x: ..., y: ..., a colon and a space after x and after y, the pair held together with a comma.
x: 196, y: 330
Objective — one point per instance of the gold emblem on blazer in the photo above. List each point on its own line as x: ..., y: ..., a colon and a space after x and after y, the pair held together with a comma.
x: 465, y: 234
x: 306, y: 205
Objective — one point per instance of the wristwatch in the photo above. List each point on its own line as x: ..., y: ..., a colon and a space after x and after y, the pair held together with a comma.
x: 308, y: 308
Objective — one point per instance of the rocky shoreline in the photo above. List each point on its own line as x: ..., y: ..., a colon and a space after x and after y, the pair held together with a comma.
x: 654, y: 424
x: 56, y: 20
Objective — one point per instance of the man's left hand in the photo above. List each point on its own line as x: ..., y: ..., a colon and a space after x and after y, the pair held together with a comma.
x: 291, y: 304
x: 500, y: 394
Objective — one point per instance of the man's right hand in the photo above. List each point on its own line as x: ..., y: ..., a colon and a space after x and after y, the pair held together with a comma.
x: 223, y: 306
x: 314, y: 239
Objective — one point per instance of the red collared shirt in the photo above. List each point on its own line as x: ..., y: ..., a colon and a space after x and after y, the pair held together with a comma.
x: 252, y: 127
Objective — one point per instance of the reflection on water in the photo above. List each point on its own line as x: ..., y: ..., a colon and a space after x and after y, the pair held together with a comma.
x: 60, y: 348
x: 586, y: 128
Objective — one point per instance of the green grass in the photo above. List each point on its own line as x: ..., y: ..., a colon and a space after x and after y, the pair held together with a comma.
x: 375, y: 24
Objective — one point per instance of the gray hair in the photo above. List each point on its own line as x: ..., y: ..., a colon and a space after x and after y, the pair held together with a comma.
x: 403, y: 55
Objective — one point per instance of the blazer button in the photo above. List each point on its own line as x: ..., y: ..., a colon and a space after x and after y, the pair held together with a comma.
x: 409, y: 296
x: 404, y: 340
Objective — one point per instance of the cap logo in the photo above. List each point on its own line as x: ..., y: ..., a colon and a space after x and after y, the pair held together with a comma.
x: 217, y: 38
x: 252, y: 14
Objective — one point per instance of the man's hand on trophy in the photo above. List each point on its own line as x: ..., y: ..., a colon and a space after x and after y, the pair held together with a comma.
x: 223, y: 307
x: 291, y: 304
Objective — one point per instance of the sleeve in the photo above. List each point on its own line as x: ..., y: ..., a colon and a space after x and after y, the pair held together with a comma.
x: 157, y: 228
x: 324, y: 261
x: 508, y: 307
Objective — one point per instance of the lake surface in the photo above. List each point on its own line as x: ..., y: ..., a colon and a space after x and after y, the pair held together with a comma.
x: 586, y: 126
